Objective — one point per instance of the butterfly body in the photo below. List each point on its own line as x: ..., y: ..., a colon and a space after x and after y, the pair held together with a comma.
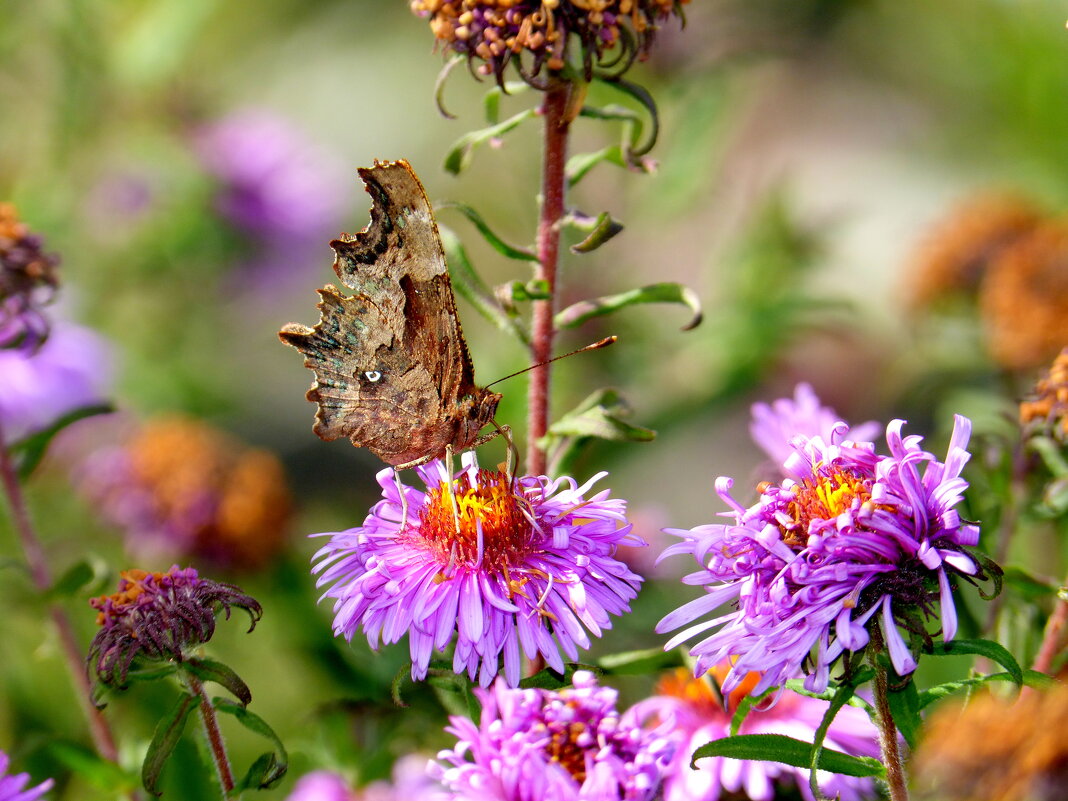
x: 392, y: 370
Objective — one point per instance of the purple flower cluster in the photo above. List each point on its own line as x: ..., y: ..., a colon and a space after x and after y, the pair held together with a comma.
x: 543, y: 745
x: 410, y: 782
x: 13, y: 787
x: 848, y: 535
x: 28, y: 280
x: 501, y: 565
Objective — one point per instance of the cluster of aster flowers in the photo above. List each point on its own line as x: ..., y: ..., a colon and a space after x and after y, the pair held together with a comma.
x: 13, y: 787
x: 546, y: 745
x: 496, y: 32
x: 159, y: 617
x: 847, y: 535
x: 695, y: 714
x: 501, y: 564
x: 28, y: 279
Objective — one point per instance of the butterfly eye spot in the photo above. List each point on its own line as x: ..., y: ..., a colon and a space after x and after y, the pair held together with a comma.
x: 374, y: 376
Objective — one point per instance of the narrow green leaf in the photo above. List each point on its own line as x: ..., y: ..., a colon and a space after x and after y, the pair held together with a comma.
x: 905, y: 709
x: 535, y: 289
x: 491, y: 103
x: 991, y: 650
x: 224, y: 675
x: 168, y: 732
x: 498, y: 244
x: 439, y: 86
x: 642, y: 662
x: 74, y: 579
x: 254, y: 723
x: 99, y: 772
x: 581, y: 163
x: 842, y: 696
x: 28, y: 452
x: 473, y: 289
x: 641, y: 94
x: 745, y: 706
x: 459, y: 156
x: 1051, y: 453
x: 1028, y: 585
x: 1031, y: 678
x: 780, y: 748
x: 601, y: 229
x: 580, y: 312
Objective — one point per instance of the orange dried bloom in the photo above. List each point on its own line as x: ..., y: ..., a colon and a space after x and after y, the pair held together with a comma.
x: 1048, y: 405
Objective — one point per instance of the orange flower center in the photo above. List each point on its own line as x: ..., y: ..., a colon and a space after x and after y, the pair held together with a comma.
x: 822, y: 499
x: 699, y: 693
x: 564, y: 749
x: 131, y: 587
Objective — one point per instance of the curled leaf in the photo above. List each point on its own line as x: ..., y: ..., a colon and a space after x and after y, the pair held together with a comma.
x: 224, y: 675
x: 439, y: 86
x: 459, y: 156
x: 269, y: 768
x: 601, y: 228
x: 580, y: 312
x: 581, y: 163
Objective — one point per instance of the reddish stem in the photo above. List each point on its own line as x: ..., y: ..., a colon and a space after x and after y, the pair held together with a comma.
x: 213, y: 734
x: 888, y: 738
x: 42, y: 580
x: 1053, y: 639
x: 553, y: 189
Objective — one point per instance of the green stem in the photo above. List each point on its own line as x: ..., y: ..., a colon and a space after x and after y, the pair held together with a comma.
x: 42, y: 580
x: 213, y: 735
x: 888, y: 736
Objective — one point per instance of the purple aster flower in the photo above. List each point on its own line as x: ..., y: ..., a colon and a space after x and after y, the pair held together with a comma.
x: 696, y: 715
x: 28, y: 280
x: 321, y: 785
x: 847, y: 536
x: 71, y: 370
x: 524, y: 565
x: 774, y: 425
x: 12, y: 787
x: 544, y: 745
x: 159, y: 617
x: 411, y: 781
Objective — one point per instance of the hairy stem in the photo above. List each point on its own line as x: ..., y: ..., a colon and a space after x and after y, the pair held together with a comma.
x: 42, y: 580
x: 888, y: 739
x: 1053, y: 638
x: 213, y: 734
x: 554, y: 110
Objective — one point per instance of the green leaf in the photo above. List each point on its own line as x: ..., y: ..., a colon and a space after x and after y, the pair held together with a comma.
x: 905, y: 709
x: 498, y: 244
x: 601, y: 228
x: 28, y: 452
x: 1031, y: 678
x: 548, y: 679
x: 581, y: 163
x: 644, y: 662
x: 99, y: 772
x: 439, y: 86
x: 580, y: 312
x: 1051, y: 454
x: 473, y: 289
x: 842, y: 696
x: 276, y: 763
x: 168, y: 732
x: 224, y: 675
x: 639, y: 93
x: 459, y: 156
x: 1028, y: 585
x: 991, y: 650
x: 491, y: 103
x: 535, y: 289
x: 74, y: 579
x: 599, y: 416
x: 780, y: 748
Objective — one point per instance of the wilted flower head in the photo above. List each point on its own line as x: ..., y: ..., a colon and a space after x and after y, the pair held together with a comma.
x: 610, y: 33
x: 13, y: 788
x: 774, y: 425
x: 1047, y: 408
x: 1024, y: 298
x: 70, y: 371
x: 531, y: 568
x: 180, y: 487
x: 553, y: 745
x: 696, y: 714
x: 848, y: 535
x: 995, y: 749
x: 28, y: 279
x: 159, y: 617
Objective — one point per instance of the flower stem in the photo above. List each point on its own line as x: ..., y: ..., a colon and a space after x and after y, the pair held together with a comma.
x: 888, y: 739
x: 1053, y: 638
x: 213, y: 734
x: 42, y: 580
x: 555, y: 111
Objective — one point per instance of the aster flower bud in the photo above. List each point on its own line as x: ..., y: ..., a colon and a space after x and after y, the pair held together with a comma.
x: 609, y: 33
x: 28, y: 279
x: 159, y: 617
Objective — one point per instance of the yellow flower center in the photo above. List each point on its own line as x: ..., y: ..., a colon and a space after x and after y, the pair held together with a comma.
x: 822, y: 499
x: 563, y: 748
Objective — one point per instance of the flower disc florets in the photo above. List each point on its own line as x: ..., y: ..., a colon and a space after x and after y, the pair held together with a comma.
x: 28, y: 279
x: 546, y: 745
x: 502, y: 565
x: 610, y: 32
x: 849, y: 534
x: 158, y: 617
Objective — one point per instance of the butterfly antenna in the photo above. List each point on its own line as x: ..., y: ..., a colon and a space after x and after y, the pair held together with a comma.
x: 604, y: 343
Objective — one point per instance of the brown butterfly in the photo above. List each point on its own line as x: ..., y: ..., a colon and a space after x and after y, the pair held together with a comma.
x: 392, y: 371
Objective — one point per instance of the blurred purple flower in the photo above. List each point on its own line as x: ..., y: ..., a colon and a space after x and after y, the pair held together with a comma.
x: 847, y: 535
x: 321, y: 785
x: 411, y: 781
x: 696, y: 715
x: 13, y: 787
x: 71, y: 370
x: 273, y: 182
x: 775, y: 425
x: 533, y: 560
x: 545, y: 745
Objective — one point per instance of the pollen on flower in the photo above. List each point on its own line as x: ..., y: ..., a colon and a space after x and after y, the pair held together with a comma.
x: 820, y: 500
x: 131, y: 588
x: 495, y: 529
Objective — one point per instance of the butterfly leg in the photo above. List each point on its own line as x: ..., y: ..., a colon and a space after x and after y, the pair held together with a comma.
x: 452, y: 492
x: 512, y: 455
x: 403, y: 497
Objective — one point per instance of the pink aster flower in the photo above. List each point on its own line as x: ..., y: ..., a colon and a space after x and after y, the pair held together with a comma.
x: 774, y: 425
x: 13, y: 788
x: 522, y: 566
x: 410, y: 781
x: 696, y: 715
x: 545, y: 745
x: 847, y: 536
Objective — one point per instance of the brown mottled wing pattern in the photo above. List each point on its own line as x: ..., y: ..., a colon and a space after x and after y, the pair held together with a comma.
x: 392, y: 369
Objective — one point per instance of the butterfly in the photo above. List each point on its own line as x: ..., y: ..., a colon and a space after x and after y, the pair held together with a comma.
x: 392, y: 369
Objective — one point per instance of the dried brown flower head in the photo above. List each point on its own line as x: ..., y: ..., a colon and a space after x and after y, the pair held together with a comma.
x: 610, y: 33
x: 1047, y: 408
x: 28, y: 279
x: 1023, y: 298
x: 996, y: 750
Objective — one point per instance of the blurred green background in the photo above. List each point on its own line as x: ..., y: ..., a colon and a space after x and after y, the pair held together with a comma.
x: 806, y: 149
